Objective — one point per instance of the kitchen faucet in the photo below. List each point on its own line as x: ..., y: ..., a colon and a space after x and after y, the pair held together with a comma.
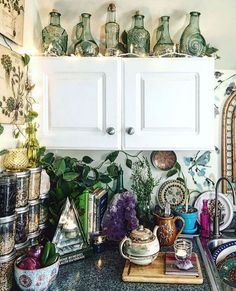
x: 216, y: 221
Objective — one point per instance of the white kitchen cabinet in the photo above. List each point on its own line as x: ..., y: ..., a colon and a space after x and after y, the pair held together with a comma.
x: 168, y: 103
x: 79, y: 102
x: 129, y: 103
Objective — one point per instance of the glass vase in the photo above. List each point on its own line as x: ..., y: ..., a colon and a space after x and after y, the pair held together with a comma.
x: 164, y: 44
x: 138, y: 38
x: 191, y: 41
x: 144, y: 212
x: 54, y: 36
x: 86, y: 45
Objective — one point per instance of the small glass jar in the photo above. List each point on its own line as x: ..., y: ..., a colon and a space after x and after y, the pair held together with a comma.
x: 6, y: 271
x: 21, y: 249
x: 34, y: 238
x: 22, y: 224
x: 8, y: 190
x: 43, y: 209
x: 22, y: 188
x: 33, y: 215
x: 7, y: 234
x: 34, y: 183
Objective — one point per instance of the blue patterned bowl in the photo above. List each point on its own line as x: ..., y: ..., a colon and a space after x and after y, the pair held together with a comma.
x: 35, y: 280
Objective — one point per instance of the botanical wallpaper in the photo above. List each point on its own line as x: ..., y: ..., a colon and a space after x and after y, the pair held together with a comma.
x: 12, y: 19
x: 12, y: 84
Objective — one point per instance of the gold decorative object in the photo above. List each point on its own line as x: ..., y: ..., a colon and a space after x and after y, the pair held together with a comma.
x: 229, y: 142
x: 16, y: 159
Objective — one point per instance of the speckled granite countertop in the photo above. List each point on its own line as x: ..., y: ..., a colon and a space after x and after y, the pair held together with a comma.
x: 86, y: 275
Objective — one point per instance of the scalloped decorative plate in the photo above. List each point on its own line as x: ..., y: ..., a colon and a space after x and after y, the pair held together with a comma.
x: 223, y: 251
x: 173, y: 192
x: 225, y: 206
x: 228, y: 272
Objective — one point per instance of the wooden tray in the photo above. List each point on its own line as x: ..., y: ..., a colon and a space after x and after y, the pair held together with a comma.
x: 155, y: 273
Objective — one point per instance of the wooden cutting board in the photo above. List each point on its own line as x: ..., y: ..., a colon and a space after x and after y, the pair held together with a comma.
x: 155, y: 273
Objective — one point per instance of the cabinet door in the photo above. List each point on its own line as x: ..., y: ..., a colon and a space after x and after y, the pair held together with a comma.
x: 168, y: 103
x: 79, y: 102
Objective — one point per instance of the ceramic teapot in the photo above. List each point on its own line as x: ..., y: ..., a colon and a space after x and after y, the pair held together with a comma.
x: 167, y: 232
x: 141, y: 247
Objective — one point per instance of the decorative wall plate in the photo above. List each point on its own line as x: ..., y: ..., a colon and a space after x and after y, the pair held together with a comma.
x: 228, y: 272
x: 223, y: 251
x: 224, y: 204
x: 173, y: 192
x: 163, y: 160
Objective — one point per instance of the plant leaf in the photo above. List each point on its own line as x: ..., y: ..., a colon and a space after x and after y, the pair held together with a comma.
x: 86, y: 171
x: 48, y: 158
x: 177, y: 166
x: 112, y: 170
x: 70, y: 176
x: 3, y: 152
x: 87, y: 160
x: 129, y: 163
x: 105, y: 179
x: 180, y: 179
x: 59, y: 167
x: 26, y: 59
x: 112, y: 156
x: 1, y: 129
x: 171, y: 172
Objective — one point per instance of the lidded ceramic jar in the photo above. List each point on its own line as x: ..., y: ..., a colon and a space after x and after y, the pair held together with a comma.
x: 6, y: 271
x: 141, y: 247
x: 7, y: 234
x: 34, y: 183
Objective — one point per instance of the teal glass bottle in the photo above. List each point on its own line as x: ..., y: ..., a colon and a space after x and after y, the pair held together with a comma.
x: 164, y: 44
x: 120, y: 182
x: 54, y: 36
x: 138, y: 38
x: 86, y: 45
x: 191, y: 41
x: 112, y: 30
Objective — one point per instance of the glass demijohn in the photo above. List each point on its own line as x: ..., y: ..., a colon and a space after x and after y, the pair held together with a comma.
x: 112, y: 30
x: 191, y: 41
x: 138, y: 37
x: 86, y: 45
x: 164, y: 44
x: 55, y: 37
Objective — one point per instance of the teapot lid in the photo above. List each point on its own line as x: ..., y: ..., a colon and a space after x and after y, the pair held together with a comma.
x: 142, y: 234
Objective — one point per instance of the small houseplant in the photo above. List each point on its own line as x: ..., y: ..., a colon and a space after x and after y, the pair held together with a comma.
x: 187, y: 212
x: 143, y: 184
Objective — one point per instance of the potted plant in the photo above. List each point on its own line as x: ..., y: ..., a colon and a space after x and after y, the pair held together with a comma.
x: 143, y: 184
x: 186, y: 211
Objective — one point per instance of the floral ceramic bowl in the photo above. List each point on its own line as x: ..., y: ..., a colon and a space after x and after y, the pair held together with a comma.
x: 35, y: 280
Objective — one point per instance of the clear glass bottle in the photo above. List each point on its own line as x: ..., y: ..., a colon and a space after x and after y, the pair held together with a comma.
x: 205, y: 220
x: 86, y: 45
x: 191, y: 41
x: 138, y: 38
x: 54, y: 36
x: 32, y: 145
x: 164, y: 44
x: 112, y: 30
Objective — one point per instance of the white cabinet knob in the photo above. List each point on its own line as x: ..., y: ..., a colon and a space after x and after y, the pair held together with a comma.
x: 111, y: 130
x: 130, y: 131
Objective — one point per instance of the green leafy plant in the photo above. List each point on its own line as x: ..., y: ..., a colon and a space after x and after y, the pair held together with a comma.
x: 211, y: 51
x: 69, y: 177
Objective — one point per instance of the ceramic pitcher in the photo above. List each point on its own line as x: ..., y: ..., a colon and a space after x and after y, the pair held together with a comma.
x: 167, y: 232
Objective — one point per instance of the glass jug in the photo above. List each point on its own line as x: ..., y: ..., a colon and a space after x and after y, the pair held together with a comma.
x: 86, y: 45
x: 138, y: 37
x: 164, y: 44
x: 191, y: 41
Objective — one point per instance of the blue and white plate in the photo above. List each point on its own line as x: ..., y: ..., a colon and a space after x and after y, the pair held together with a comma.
x: 224, y: 250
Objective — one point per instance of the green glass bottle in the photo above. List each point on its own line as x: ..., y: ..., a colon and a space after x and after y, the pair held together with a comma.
x: 54, y: 37
x: 138, y: 38
x: 86, y: 45
x: 164, y: 44
x: 32, y: 145
x: 120, y: 182
x: 112, y: 30
x: 191, y: 41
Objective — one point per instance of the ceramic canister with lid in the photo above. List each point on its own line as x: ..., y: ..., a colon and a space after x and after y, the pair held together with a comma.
x: 33, y: 215
x: 6, y: 271
x: 22, y: 224
x: 34, y: 183
x: 22, y: 188
x: 8, y: 190
x: 7, y: 234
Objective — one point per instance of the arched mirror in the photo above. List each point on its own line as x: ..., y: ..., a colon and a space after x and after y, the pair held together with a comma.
x: 229, y: 142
